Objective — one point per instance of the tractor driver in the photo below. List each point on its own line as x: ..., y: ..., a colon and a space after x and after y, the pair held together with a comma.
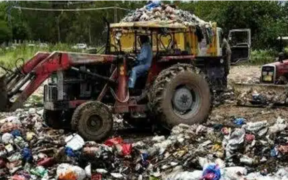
x: 143, y: 61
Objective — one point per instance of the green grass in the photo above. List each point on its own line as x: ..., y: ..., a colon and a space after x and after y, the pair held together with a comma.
x: 9, y: 56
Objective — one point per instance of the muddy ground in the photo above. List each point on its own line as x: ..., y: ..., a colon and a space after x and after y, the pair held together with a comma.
x: 247, y: 74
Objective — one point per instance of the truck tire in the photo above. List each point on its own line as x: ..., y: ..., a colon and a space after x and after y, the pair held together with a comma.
x: 180, y: 94
x: 93, y: 120
x: 53, y: 118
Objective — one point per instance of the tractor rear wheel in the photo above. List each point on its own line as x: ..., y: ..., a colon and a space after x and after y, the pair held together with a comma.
x: 93, y: 120
x: 180, y: 94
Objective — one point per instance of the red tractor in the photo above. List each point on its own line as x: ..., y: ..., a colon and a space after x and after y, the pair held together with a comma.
x: 277, y: 72
x: 84, y: 90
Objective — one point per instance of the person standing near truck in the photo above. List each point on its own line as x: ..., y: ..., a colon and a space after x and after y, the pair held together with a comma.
x: 226, y: 54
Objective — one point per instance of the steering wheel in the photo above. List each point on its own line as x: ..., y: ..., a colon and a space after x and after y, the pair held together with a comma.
x: 131, y: 61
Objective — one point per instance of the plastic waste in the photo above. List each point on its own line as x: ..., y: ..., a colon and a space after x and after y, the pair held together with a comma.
x: 32, y: 111
x: 20, y: 142
x: 274, y: 152
x: 117, y: 175
x: 9, y: 149
x: 14, y: 157
x: 39, y: 171
x: 152, y: 5
x: 75, y: 142
x: 88, y: 170
x: 246, y: 160
x: 16, y: 133
x: 27, y: 155
x: 20, y: 177
x: 158, y: 139
x: 279, y: 126
x: 236, y: 139
x: 234, y: 173
x: 239, y: 121
x: 69, y: 152
x: 30, y: 136
x: 101, y: 171
x: 96, y: 176
x: 13, y: 120
x: 255, y: 126
x: 68, y: 172
x: 124, y: 149
x: 7, y: 138
x: 194, y: 175
x: 113, y: 141
x: 211, y: 172
x: 46, y: 162
x: 249, y: 137
x: 8, y: 127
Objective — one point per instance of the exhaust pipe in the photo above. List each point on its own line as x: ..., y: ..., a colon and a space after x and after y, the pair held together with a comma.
x: 3, y: 94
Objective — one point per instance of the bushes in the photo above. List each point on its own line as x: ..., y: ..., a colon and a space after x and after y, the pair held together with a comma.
x: 259, y: 57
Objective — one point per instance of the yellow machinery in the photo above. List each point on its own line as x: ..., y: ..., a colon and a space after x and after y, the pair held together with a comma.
x: 187, y: 41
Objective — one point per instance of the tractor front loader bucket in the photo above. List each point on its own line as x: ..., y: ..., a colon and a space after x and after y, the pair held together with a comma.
x: 14, y: 80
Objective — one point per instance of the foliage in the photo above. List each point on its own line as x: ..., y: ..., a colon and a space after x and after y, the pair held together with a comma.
x: 263, y: 56
x: 266, y: 19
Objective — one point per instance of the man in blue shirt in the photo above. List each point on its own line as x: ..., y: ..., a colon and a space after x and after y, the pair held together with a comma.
x: 144, y: 60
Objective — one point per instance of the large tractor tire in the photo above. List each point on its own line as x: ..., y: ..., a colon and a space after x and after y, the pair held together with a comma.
x: 180, y: 94
x: 93, y: 120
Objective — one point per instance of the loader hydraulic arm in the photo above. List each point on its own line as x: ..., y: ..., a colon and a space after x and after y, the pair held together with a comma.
x: 56, y: 61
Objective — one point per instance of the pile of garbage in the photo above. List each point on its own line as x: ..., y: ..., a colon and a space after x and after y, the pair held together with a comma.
x: 30, y: 150
x: 225, y: 97
x: 158, y: 11
x: 263, y: 98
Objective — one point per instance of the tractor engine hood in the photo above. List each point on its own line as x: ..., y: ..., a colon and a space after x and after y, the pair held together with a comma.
x: 277, y: 64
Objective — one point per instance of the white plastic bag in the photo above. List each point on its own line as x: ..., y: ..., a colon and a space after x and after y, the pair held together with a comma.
x: 88, y: 170
x: 233, y: 173
x: 255, y: 126
x: 64, y: 169
x: 195, y: 175
x: 7, y: 138
x: 75, y: 142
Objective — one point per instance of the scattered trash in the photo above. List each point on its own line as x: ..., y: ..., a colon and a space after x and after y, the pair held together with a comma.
x: 239, y: 121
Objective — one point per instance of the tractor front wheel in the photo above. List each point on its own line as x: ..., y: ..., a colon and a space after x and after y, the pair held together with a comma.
x: 180, y: 94
x: 93, y: 120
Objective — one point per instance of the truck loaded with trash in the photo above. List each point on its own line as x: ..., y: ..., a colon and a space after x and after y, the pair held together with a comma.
x: 161, y: 67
